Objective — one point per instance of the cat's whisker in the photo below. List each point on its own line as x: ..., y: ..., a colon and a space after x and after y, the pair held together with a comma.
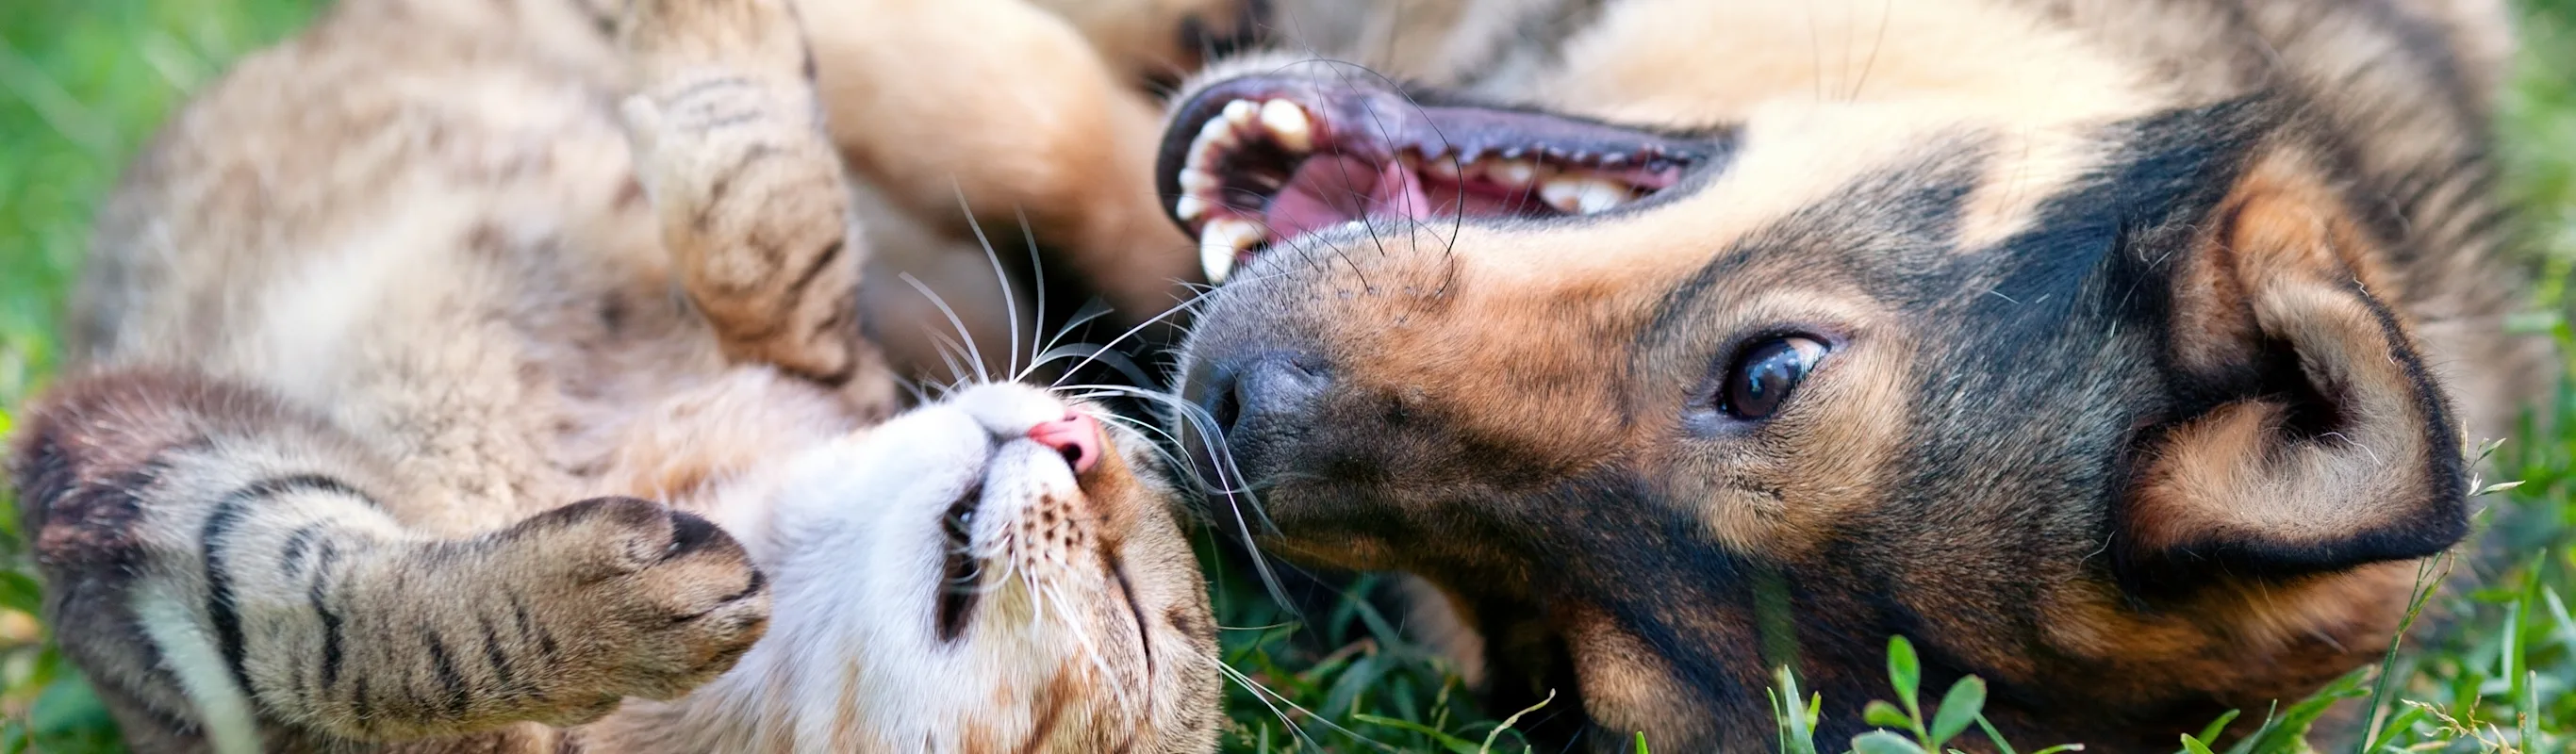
x: 1073, y: 625
x: 1201, y: 422
x: 954, y: 321
x: 913, y: 387
x: 1161, y: 450
x: 1184, y: 305
x: 1037, y: 272
x: 1096, y: 310
x: 1184, y: 465
x: 1223, y: 459
x: 949, y: 350
x: 1010, y: 304
x: 1265, y: 695
x: 1091, y: 310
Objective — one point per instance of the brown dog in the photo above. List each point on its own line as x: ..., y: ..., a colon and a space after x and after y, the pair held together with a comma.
x: 2117, y: 353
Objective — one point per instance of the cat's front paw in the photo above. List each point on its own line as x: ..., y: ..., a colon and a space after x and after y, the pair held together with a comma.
x: 752, y: 203
x: 755, y: 36
x: 631, y: 598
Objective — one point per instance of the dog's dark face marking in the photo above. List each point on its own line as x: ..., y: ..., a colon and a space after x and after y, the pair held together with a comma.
x: 2138, y: 440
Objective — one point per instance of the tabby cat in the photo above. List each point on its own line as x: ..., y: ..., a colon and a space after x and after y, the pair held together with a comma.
x: 459, y: 374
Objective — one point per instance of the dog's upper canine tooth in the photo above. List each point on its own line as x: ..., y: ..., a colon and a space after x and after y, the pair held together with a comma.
x: 1582, y: 194
x: 1288, y: 125
x: 1217, y: 261
x: 1232, y: 232
x: 1220, y: 241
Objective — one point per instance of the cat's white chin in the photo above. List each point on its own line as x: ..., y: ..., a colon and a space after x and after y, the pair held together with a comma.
x: 886, y: 630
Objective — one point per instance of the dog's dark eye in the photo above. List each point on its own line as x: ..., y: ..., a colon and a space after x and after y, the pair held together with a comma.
x: 1764, y: 375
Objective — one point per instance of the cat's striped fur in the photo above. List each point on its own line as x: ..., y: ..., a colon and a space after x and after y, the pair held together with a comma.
x: 456, y: 371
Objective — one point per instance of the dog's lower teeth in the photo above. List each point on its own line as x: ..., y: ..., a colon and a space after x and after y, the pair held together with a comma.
x: 1440, y: 166
x: 1582, y: 195
x: 1513, y: 173
x: 1287, y: 125
x: 1189, y: 208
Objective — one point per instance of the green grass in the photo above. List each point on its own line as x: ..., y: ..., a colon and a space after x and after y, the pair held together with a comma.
x: 82, y: 83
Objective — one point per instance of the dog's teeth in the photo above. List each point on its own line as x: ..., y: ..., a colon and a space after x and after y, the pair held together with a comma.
x: 1512, y: 173
x: 1189, y: 208
x: 1197, y: 181
x: 1561, y: 192
x: 1233, y: 233
x: 1582, y: 195
x: 1216, y: 134
x: 1221, y: 241
x: 1288, y: 125
x: 1440, y: 166
x: 1600, y: 196
x: 1213, y: 141
x: 1240, y: 113
x: 1216, y: 261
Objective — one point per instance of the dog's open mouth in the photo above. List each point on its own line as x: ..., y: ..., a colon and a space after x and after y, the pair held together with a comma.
x: 1254, y: 162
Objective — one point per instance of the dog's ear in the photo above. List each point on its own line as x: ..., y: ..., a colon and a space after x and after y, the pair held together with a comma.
x: 2305, y: 434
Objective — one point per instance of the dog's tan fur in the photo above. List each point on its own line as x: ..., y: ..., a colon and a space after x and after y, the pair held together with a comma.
x: 1492, y: 403
x: 379, y: 306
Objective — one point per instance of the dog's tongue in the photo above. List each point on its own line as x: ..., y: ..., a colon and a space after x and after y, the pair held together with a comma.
x: 1329, y: 190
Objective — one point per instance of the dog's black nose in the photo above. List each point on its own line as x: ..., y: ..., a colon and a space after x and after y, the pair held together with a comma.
x: 1257, y: 397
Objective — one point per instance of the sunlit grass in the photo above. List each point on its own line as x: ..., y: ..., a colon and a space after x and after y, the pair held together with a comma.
x: 83, y: 83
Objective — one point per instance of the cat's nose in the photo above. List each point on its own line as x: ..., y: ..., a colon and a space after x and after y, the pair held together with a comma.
x: 1076, y: 437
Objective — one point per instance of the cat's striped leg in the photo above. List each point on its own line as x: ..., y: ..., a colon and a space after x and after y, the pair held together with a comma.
x: 220, y: 565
